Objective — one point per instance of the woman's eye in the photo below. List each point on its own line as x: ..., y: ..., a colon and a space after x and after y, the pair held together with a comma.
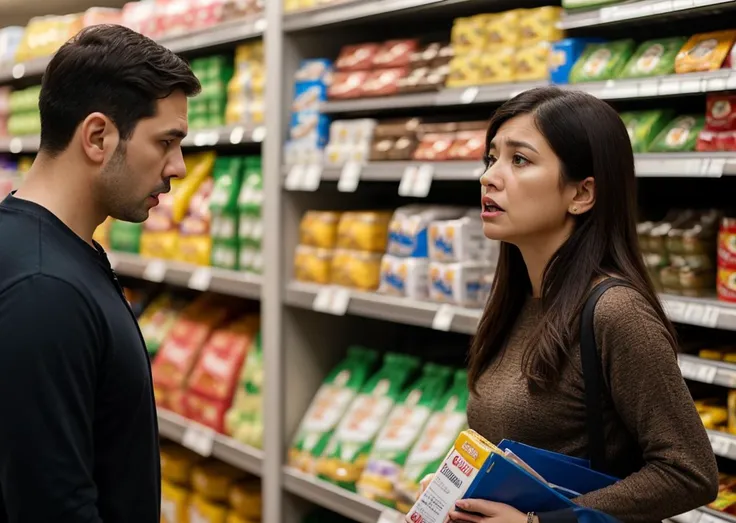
x: 519, y: 160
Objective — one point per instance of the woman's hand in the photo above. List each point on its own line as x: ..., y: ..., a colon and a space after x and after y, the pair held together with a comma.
x: 489, y: 511
x: 426, y: 480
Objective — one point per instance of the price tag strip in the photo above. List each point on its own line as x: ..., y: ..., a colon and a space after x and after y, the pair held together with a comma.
x: 155, y: 271
x: 443, y: 318
x: 332, y: 300
x: 350, y: 177
x: 390, y: 516
x: 721, y: 444
x: 201, y: 279
x: 199, y: 439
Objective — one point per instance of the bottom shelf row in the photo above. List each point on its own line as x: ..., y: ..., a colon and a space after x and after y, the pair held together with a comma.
x: 240, y: 503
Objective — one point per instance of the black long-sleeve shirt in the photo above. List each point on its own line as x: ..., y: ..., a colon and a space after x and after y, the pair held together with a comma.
x: 78, y: 428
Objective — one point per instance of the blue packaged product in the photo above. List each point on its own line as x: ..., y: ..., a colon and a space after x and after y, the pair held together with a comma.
x: 308, y: 96
x: 563, y: 56
x: 309, y: 130
x: 313, y: 70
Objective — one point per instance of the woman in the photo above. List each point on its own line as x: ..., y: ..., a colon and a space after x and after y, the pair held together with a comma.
x: 559, y: 191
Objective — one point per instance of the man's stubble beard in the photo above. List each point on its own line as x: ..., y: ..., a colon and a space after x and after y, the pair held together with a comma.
x: 116, y: 176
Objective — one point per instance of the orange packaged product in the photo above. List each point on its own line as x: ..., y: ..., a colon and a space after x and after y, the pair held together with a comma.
x: 435, y: 147
x: 704, y: 52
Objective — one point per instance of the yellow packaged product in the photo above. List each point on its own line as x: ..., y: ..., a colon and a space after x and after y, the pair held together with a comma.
x: 465, y: 70
x: 195, y: 242
x: 363, y: 231
x: 245, y: 500
x: 102, y: 233
x: 233, y: 517
x: 540, y: 25
x: 497, y: 66
x: 531, y: 62
x: 713, y: 417
x: 502, y: 29
x: 212, y: 480
x: 704, y: 52
x: 468, y: 34
x: 319, y: 229
x: 174, y: 503
x: 199, y: 168
x: 312, y: 264
x: 356, y: 269
x: 711, y: 354
x: 177, y: 464
x: 203, y: 511
x: 732, y: 411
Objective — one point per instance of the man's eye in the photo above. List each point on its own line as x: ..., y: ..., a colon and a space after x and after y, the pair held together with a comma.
x: 166, y: 143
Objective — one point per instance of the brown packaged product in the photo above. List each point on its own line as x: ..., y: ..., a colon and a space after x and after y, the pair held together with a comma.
x: 395, y: 53
x: 425, y: 56
x: 445, y: 56
x: 468, y: 145
x: 435, y: 128
x: 357, y: 57
x: 403, y: 148
x: 479, y: 125
x: 384, y: 82
x: 415, y: 81
x: 434, y: 147
x: 347, y: 85
x: 396, y: 128
x: 380, y: 148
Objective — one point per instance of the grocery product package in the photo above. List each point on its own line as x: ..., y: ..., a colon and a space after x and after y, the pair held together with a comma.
x: 443, y: 426
x: 403, y: 427
x: 602, y: 61
x: 726, y: 282
x: 212, y: 480
x: 526, y: 478
x: 356, y: 269
x: 250, y: 226
x: 350, y: 141
x: 329, y: 405
x: 654, y: 58
x: 719, y: 133
x: 347, y: 452
x: 246, y: 88
x: 158, y: 319
x: 531, y: 62
x: 175, y: 500
x: 10, y: 38
x: 564, y: 54
x: 245, y: 500
x: 459, y: 283
x: 461, y: 240
x: 644, y: 126
x: 404, y: 277
x: 244, y: 420
x: 541, y: 24
x: 363, y: 231
x: 705, y: 52
x: 680, y: 135
x: 125, y: 236
x: 195, y: 242
x: 408, y: 229
x: 319, y: 229
x: 313, y: 264
x: 215, y: 375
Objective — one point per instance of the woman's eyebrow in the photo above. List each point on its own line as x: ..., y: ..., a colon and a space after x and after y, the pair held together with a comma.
x: 515, y: 143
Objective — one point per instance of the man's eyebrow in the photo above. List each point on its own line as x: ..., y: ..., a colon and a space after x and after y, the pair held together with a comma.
x: 175, y: 133
x: 516, y: 143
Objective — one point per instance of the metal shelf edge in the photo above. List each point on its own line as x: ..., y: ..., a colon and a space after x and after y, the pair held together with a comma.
x: 348, y: 11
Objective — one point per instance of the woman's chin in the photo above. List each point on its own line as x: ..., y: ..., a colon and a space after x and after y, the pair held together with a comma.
x: 494, y: 232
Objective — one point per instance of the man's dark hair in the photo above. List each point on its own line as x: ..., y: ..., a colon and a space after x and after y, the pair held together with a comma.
x: 112, y: 70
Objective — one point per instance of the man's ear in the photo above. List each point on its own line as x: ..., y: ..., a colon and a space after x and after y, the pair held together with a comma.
x: 584, y: 198
x: 99, y: 137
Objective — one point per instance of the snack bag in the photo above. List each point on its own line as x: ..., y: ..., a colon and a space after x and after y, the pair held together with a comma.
x: 158, y: 319
x: 174, y: 503
x: 126, y: 237
x: 329, y: 405
x: 212, y: 480
x: 195, y: 243
x: 704, y: 52
x: 244, y: 420
x: 654, y: 58
x: 177, y: 464
x: 402, y: 429
x: 680, y: 135
x: 319, y: 229
x: 602, y: 61
x: 540, y: 25
x: 644, y: 126
x: 245, y: 499
x: 347, y: 452
x: 363, y: 231
x: 434, y: 443
x: 356, y: 269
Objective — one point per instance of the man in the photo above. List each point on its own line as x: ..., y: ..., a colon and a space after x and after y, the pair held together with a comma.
x: 78, y: 427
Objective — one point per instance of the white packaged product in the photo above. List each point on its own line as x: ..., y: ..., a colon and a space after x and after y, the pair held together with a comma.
x: 405, y: 277
x: 408, y: 230
x: 456, y: 240
x: 460, y: 283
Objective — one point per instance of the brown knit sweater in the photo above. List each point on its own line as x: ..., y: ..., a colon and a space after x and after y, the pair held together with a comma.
x: 648, y: 411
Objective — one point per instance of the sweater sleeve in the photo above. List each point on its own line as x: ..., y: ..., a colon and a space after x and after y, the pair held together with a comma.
x: 650, y: 396
x: 48, y: 362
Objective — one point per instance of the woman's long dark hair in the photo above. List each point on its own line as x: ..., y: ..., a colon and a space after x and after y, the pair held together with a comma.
x: 589, y: 139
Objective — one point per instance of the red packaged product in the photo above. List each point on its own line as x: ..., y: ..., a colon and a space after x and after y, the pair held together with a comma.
x: 726, y: 282
x: 469, y: 145
x: 434, y: 147
x: 395, y: 53
x: 347, y: 85
x: 707, y: 141
x: 207, y: 412
x: 720, y: 112
x: 384, y: 82
x: 356, y: 57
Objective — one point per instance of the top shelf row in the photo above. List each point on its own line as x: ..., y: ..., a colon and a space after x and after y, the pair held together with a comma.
x: 353, y: 11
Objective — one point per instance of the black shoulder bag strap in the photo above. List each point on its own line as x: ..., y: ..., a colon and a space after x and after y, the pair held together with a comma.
x: 593, y: 376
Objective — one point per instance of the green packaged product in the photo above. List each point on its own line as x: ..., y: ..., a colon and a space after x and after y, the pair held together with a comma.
x: 244, y: 419
x: 125, y: 236
x: 400, y: 432
x: 443, y: 427
x: 225, y: 254
x: 333, y: 398
x: 250, y: 257
x: 347, y: 452
x: 228, y: 173
x: 224, y: 226
x: 644, y: 126
x: 681, y: 135
x: 654, y: 58
x: 602, y: 61
x: 250, y: 199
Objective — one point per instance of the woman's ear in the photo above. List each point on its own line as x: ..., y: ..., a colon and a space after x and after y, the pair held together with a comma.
x: 584, y: 198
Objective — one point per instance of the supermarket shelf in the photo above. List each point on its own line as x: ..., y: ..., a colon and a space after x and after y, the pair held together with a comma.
x: 231, y: 283
x: 723, y: 443
x: 334, y: 498
x: 672, y: 165
x: 704, y: 515
x: 207, y: 443
x: 644, y: 9
x: 704, y: 312
x: 382, y: 307
x: 18, y: 145
x: 227, y: 33
x: 347, y: 11
x: 670, y: 85
x: 227, y: 135
x: 707, y: 371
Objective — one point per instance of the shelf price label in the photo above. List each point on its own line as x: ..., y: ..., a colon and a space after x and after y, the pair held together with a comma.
x: 416, y: 180
x: 688, y: 369
x: 199, y: 439
x: 350, y: 177
x: 390, y: 516
x: 707, y: 518
x: 15, y: 146
x: 721, y: 444
x: 469, y: 95
x: 237, y: 135
x: 294, y: 179
x: 332, y: 300
x: 259, y: 134
x: 689, y: 517
x: 155, y: 271
x: 443, y: 318
x: 706, y: 373
x: 200, y: 279
x: 312, y: 177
